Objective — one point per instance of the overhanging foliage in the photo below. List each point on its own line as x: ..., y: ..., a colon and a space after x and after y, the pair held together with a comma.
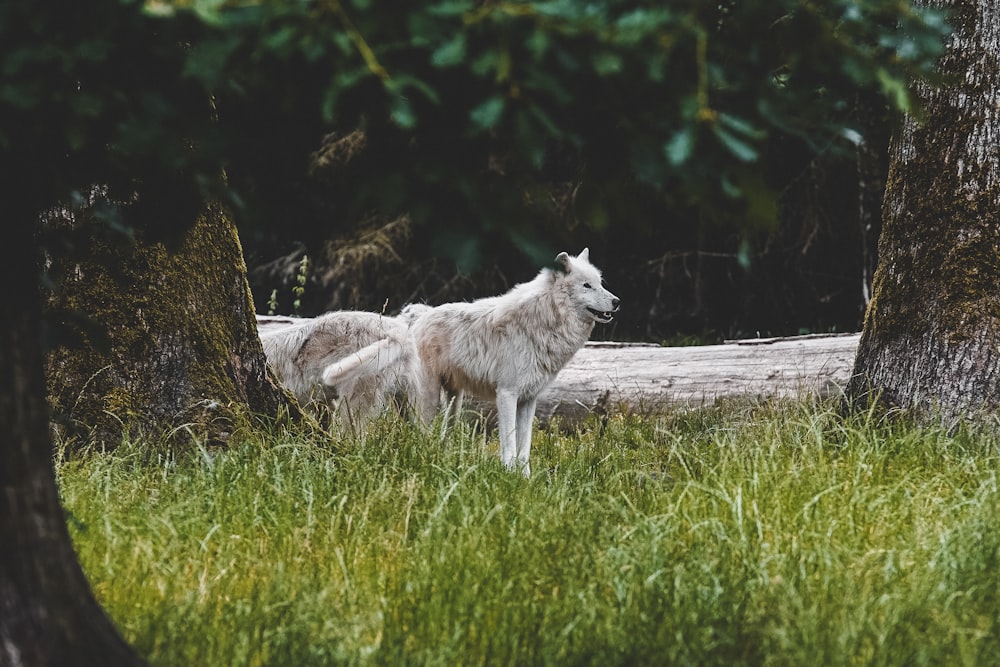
x: 683, y: 101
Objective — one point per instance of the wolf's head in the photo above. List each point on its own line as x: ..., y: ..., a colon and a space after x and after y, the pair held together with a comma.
x: 582, y: 282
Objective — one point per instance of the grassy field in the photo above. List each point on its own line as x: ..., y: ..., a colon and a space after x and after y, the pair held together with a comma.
x: 754, y: 535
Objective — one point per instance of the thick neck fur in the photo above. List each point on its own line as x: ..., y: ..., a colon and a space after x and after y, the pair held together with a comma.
x: 544, y: 308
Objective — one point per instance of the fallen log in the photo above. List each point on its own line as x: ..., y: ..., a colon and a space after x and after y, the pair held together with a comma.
x: 646, y: 378
x: 610, y: 377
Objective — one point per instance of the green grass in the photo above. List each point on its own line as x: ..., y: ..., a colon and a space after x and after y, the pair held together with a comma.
x: 757, y: 535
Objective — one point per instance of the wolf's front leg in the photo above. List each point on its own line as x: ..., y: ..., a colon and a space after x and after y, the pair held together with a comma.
x: 525, y: 420
x: 428, y: 393
x: 507, y: 424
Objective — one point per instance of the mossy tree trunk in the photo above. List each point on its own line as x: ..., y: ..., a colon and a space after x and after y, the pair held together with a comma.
x: 170, y: 338
x: 48, y: 615
x: 931, y: 339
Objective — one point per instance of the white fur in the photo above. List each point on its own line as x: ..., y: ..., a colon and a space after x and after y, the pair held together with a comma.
x: 508, y: 348
x: 377, y: 348
x: 412, y: 311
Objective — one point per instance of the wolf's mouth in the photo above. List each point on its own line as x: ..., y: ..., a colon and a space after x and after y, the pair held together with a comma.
x: 602, y: 316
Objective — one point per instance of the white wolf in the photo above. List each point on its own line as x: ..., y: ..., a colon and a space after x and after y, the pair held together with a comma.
x: 379, y: 347
x: 508, y: 348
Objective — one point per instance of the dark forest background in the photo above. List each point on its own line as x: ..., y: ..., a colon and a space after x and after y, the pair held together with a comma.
x: 723, y: 160
x: 683, y: 278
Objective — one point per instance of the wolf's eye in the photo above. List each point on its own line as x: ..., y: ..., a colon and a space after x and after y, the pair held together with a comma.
x: 588, y: 286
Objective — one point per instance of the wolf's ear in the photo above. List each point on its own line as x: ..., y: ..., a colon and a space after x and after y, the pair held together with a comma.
x: 562, y: 262
x: 584, y: 254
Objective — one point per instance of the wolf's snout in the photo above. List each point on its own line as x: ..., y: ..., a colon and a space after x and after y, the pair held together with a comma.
x: 614, y: 303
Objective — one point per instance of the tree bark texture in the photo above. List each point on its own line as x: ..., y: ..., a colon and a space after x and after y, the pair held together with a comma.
x: 171, y: 339
x: 48, y: 615
x: 931, y: 338
x: 646, y: 379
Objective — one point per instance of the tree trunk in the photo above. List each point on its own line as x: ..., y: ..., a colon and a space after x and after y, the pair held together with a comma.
x: 931, y: 339
x: 171, y: 339
x: 48, y: 615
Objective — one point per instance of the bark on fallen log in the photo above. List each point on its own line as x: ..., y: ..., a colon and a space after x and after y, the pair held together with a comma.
x: 646, y: 378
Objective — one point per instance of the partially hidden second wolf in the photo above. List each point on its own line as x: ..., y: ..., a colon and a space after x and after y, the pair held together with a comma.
x: 509, y: 348
x: 379, y: 347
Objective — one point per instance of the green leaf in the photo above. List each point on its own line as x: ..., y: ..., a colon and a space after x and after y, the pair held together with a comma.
x: 656, y: 67
x: 538, y: 43
x: 407, y: 81
x: 634, y: 26
x: 402, y: 113
x: 312, y: 48
x: 209, y: 11
x: 564, y: 9
x: 452, y: 7
x: 451, y: 53
x: 744, y: 255
x: 342, y: 81
x: 741, y: 126
x: 281, y: 38
x: 738, y: 147
x: 895, y: 90
x: 607, y: 62
x: 488, y: 114
x: 486, y: 63
x: 680, y: 147
x: 729, y: 188
x: 343, y: 43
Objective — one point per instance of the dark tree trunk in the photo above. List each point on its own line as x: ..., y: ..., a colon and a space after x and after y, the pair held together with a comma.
x: 48, y: 615
x: 172, y: 339
x: 931, y: 340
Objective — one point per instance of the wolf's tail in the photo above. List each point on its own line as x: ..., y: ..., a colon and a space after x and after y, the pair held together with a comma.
x: 372, y: 360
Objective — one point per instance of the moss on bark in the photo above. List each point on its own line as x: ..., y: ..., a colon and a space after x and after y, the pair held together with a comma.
x: 173, y: 340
